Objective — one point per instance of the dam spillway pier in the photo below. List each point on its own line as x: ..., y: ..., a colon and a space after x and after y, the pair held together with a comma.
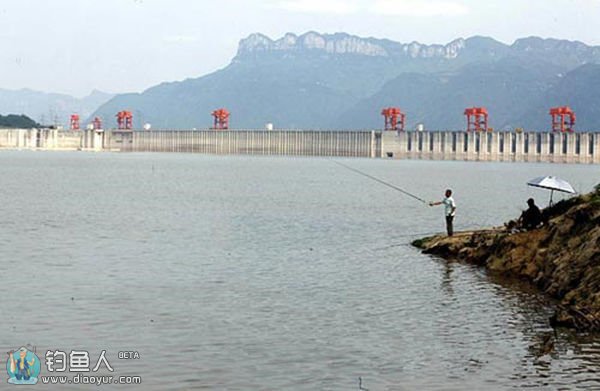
x: 551, y: 147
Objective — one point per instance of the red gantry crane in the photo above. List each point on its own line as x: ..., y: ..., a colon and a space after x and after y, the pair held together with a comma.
x: 477, y: 119
x: 394, y: 118
x: 125, y: 120
x: 563, y: 119
x: 97, y: 123
x: 221, y: 119
x: 74, y: 122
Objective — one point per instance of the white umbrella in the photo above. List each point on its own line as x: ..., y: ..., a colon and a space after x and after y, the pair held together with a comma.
x: 552, y: 183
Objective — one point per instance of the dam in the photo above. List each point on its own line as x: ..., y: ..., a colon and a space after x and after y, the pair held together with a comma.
x: 501, y: 146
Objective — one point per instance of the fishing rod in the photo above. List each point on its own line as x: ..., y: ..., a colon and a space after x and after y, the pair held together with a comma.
x: 380, y: 181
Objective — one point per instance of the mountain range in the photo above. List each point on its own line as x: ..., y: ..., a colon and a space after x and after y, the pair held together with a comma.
x: 50, y: 108
x: 341, y: 81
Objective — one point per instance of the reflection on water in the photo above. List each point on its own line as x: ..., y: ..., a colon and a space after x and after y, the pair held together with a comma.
x: 270, y: 273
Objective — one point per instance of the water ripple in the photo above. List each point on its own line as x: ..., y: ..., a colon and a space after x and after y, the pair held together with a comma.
x: 246, y: 273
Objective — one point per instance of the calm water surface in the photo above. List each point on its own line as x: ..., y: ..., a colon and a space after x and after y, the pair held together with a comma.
x: 242, y: 273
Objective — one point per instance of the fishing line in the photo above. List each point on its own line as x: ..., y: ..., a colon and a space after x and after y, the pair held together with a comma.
x: 421, y: 234
x: 380, y: 181
x: 393, y: 246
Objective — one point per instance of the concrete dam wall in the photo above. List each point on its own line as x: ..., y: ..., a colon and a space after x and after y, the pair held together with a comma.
x: 51, y: 139
x: 431, y: 145
x: 494, y: 146
x: 239, y: 142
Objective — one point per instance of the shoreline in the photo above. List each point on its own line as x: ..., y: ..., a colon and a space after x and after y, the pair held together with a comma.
x: 560, y: 259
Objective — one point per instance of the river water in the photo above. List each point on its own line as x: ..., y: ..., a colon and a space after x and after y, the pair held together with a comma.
x: 259, y: 273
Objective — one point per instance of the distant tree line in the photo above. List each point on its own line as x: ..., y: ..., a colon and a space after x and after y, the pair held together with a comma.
x: 17, y: 121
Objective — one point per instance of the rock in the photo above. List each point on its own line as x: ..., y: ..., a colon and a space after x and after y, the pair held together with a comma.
x: 562, y: 258
x: 341, y: 43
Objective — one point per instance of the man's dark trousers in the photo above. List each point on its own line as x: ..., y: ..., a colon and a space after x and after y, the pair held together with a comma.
x: 449, y: 225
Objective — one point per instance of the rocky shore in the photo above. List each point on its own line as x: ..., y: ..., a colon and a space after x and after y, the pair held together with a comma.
x: 562, y: 258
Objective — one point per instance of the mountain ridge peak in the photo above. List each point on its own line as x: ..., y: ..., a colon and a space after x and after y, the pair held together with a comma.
x: 341, y: 43
x: 339, y: 80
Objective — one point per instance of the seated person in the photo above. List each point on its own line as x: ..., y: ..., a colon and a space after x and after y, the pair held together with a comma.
x: 532, y: 217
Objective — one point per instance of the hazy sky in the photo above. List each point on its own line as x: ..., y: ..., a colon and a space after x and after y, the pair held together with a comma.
x: 74, y: 46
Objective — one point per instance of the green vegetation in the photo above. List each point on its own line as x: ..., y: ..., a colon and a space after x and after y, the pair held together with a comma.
x: 17, y: 121
x: 595, y: 196
x: 562, y: 206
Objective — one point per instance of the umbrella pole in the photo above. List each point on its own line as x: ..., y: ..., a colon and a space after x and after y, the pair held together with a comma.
x: 551, y: 194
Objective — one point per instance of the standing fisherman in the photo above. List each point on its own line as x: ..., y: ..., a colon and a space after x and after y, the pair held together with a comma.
x: 449, y: 211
